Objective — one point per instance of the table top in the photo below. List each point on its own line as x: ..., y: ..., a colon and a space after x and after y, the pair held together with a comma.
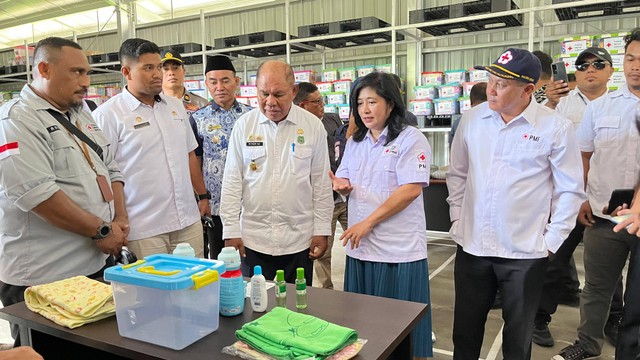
x: 383, y: 322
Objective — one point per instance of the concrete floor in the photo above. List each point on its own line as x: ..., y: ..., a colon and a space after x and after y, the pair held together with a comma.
x: 441, y: 252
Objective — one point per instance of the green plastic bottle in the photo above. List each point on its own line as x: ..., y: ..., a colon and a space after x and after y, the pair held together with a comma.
x: 301, y: 289
x: 281, y: 289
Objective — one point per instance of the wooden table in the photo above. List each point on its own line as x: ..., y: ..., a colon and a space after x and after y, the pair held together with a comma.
x: 385, y: 323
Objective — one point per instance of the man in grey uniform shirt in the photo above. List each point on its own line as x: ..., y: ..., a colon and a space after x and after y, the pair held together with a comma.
x: 61, y: 201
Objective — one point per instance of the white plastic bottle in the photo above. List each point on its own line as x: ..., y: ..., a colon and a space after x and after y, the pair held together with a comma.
x: 259, y: 297
x: 184, y: 249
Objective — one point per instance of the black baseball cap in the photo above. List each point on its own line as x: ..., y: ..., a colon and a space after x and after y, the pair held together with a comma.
x: 171, y: 55
x: 517, y: 64
x: 600, y: 53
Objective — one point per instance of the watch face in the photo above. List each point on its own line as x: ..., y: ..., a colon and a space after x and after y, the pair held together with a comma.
x: 104, y: 231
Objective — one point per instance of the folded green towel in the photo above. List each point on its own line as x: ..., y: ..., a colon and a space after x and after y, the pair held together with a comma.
x: 290, y: 335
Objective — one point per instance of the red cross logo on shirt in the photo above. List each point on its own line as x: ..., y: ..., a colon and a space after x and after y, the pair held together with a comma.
x: 422, y: 157
x: 505, y: 58
x: 525, y: 136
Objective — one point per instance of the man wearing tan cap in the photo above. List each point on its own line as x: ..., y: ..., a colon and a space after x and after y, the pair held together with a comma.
x: 173, y: 73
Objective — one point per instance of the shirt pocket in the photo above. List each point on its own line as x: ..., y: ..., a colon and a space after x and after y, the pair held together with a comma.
x: 68, y: 160
x: 254, y: 159
x: 384, y: 174
x: 607, y: 132
x: 301, y: 161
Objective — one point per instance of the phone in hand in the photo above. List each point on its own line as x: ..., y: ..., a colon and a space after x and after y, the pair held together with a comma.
x: 619, y: 197
x: 559, y: 71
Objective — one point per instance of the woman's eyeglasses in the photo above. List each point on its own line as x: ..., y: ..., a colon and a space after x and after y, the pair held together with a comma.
x: 598, y: 65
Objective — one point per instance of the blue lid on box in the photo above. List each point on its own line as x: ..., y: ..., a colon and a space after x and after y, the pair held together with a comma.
x: 167, y: 272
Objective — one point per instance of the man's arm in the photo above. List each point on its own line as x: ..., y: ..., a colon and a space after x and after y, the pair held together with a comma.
x: 197, y: 181
x: 121, y: 217
x: 458, y: 171
x: 232, y: 182
x: 568, y: 186
x: 322, y: 196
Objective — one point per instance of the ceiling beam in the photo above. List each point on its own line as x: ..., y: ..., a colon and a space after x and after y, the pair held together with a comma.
x: 85, y: 5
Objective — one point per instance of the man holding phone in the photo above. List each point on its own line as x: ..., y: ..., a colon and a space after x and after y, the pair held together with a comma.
x: 593, y: 71
x: 611, y: 157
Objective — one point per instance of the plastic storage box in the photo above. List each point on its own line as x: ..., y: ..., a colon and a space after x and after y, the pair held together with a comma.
x: 167, y: 300
x: 364, y: 70
x: 434, y: 77
x: 476, y: 75
x: 329, y: 75
x: 342, y: 86
x: 449, y: 90
x: 421, y: 107
x: 348, y: 73
x: 455, y: 76
x: 425, y: 92
x: 614, y: 43
x: 448, y: 106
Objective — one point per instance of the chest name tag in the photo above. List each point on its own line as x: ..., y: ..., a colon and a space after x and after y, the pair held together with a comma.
x: 52, y: 128
x: 255, y: 143
x: 141, y: 125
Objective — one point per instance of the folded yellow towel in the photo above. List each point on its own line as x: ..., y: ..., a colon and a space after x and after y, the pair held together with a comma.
x: 71, y: 302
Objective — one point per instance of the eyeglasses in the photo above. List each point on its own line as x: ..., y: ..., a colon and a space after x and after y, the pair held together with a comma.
x: 317, y: 102
x: 598, y: 65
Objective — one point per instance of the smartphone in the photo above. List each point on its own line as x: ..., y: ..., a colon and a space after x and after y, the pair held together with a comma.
x: 620, y: 218
x: 619, y: 197
x: 559, y: 71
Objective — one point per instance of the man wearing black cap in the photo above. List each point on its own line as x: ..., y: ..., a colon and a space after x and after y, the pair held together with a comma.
x: 594, y: 69
x: 515, y: 187
x: 610, y: 150
x: 173, y: 73
x: 212, y: 126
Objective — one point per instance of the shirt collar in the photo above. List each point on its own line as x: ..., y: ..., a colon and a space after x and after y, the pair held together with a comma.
x: 134, y: 103
x: 214, y: 105
x: 382, y: 137
x: 528, y: 114
x: 38, y: 103
x: 624, y: 91
x: 291, y: 116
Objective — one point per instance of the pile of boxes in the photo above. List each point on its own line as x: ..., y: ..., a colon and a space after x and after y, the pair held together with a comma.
x: 614, y: 43
x: 445, y: 92
x: 333, y: 84
x: 101, y: 93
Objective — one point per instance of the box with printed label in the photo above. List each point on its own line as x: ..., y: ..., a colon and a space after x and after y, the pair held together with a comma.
x: 432, y: 77
x: 421, y: 107
x: 304, y: 76
x: 616, y: 81
x: 343, y: 111
x: 248, y: 90
x: 242, y: 100
x: 476, y: 75
x: 618, y: 62
x: 449, y: 90
x: 466, y: 87
x: 342, y: 86
x: 465, y: 104
x: 253, y: 101
x: 569, y: 63
x: 336, y: 98
x: 455, y: 76
x: 614, y: 43
x: 575, y: 45
x: 329, y: 75
x: 448, y: 106
x: 385, y: 68
x: 365, y: 70
x: 425, y: 92
x: 348, y: 73
x: 191, y: 84
x: 252, y: 79
x: 325, y: 87
x: 330, y: 108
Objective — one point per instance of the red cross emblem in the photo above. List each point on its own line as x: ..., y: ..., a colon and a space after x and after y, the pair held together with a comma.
x: 422, y: 157
x: 89, y: 127
x: 386, y: 151
x: 608, y: 44
x: 505, y: 58
x: 570, y: 48
x: 525, y: 136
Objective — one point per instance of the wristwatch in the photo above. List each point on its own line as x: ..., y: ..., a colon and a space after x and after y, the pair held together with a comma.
x: 103, y: 231
x: 204, y: 196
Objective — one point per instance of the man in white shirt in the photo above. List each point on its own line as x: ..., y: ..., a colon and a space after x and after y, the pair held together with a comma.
x: 276, y: 204
x: 610, y: 148
x: 154, y: 148
x: 515, y: 187
x: 594, y: 68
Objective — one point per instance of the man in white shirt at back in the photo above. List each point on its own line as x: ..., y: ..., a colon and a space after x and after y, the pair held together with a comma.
x: 154, y: 147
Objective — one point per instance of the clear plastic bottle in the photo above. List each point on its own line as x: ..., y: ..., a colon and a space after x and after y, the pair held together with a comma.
x: 184, y: 249
x: 259, y: 298
x: 301, y: 289
x: 281, y: 289
x: 231, y: 283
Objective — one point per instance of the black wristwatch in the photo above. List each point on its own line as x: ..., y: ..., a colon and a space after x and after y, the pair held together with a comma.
x: 103, y: 231
x: 204, y: 196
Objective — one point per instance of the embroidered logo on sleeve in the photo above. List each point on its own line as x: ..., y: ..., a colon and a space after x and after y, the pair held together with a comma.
x: 9, y: 149
x: 422, y: 161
